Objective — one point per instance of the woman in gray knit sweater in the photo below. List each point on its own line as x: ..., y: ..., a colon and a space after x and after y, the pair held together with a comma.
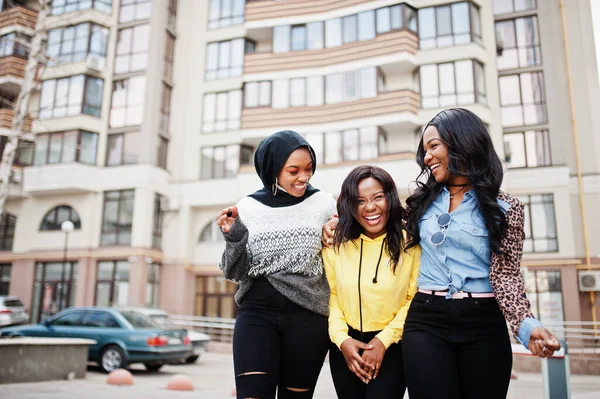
x: 273, y: 244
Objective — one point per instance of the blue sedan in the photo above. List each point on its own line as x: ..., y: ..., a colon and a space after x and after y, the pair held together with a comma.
x: 122, y: 337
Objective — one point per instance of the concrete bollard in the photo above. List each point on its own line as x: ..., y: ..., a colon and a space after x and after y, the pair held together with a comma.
x: 119, y: 377
x: 180, y: 382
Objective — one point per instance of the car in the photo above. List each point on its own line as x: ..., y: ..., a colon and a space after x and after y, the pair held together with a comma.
x: 199, y: 340
x: 12, y: 311
x: 123, y: 337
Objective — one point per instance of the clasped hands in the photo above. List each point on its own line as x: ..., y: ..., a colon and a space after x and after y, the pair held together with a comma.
x: 365, y: 365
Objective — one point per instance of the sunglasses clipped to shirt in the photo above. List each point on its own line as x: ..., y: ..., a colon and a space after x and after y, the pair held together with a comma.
x: 443, y: 221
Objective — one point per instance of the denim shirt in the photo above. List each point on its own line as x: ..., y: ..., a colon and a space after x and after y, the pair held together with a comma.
x: 462, y: 261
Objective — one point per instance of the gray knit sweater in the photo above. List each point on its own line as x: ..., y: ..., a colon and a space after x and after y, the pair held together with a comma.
x: 284, y: 245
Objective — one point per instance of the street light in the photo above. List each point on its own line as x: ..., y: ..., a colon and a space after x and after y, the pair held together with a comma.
x: 67, y: 226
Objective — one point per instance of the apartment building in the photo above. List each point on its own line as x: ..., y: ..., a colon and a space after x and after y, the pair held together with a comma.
x: 147, y: 113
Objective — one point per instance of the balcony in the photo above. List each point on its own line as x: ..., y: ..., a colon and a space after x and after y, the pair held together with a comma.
x: 18, y: 16
x: 12, y: 72
x: 6, y: 120
x: 257, y: 10
x: 397, y: 106
x: 398, y: 44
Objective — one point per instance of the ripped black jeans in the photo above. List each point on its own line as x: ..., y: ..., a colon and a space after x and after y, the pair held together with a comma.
x: 277, y: 346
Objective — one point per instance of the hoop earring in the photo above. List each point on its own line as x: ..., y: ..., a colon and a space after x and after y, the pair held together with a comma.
x: 274, y: 188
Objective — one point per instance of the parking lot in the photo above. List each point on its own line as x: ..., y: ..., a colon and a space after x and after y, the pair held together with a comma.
x: 212, y: 376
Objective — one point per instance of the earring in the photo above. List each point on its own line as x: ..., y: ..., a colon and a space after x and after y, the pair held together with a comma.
x: 274, y: 187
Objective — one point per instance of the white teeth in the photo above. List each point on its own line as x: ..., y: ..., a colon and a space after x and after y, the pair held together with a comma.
x: 372, y: 217
x: 435, y: 166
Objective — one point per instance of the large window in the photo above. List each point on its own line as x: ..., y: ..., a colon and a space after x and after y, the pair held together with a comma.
x: 71, y: 146
x: 133, y: 10
x: 117, y: 218
x: 510, y: 6
x: 112, y: 283
x: 226, y: 13
x: 153, y: 286
x: 24, y: 153
x: 123, y: 148
x: 523, y: 99
x: 14, y: 44
x: 226, y: 59
x: 132, y: 49
x: 157, y: 222
x: 449, y: 25
x: 53, y: 288
x: 345, y: 145
x: 452, y: 83
x: 53, y: 220
x: 214, y: 297
x: 257, y: 94
x: 65, y: 6
x: 4, y: 278
x: 222, y: 111
x: 223, y: 161
x: 211, y: 233
x: 71, y: 96
x: 127, y: 108
x: 7, y: 231
x: 518, y: 43
x: 75, y: 43
x: 528, y: 149
x: 544, y: 292
x: 540, y: 223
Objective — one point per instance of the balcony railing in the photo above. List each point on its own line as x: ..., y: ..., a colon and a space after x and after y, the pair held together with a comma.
x: 383, y: 45
x: 12, y: 66
x: 392, y: 102
x: 6, y: 119
x: 270, y: 9
x: 18, y: 16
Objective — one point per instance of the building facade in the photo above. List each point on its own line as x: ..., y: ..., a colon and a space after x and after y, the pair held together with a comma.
x: 147, y: 112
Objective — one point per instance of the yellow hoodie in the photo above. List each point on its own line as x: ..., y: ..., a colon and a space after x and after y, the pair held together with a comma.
x: 384, y: 304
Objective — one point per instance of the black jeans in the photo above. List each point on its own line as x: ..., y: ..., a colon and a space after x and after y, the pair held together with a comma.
x: 277, y: 345
x: 389, y: 384
x: 456, y: 348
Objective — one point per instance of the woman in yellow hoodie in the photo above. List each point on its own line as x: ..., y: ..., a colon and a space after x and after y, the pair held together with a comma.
x: 372, y: 281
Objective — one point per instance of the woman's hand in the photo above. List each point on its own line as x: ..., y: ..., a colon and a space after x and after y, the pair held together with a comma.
x: 542, y: 342
x: 328, y: 231
x: 374, y: 357
x: 356, y: 364
x: 226, y: 218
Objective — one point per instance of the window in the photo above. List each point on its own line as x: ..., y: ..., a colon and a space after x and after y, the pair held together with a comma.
x: 544, y: 291
x: 65, y: 6
x: 226, y: 13
x: 162, y: 150
x: 510, y: 6
x: 71, y: 146
x: 449, y: 25
x: 223, y: 161
x: 133, y: 10
x: 169, y: 56
x: 153, y: 286
x: 7, y: 231
x: 527, y: 149
x: 172, y: 14
x: 54, y: 288
x: 117, y: 217
x: 70, y: 96
x: 112, y: 283
x: 128, y: 97
x: 520, y: 43
x: 345, y: 145
x: 226, y: 59
x: 298, y: 37
x: 366, y: 25
x: 211, y: 233
x: 540, y: 223
x: 257, y: 94
x: 75, y: 43
x: 56, y: 216
x: 214, y: 297
x: 132, y: 49
x: 123, y: 148
x: 70, y: 319
x: 24, y: 153
x: 4, y: 278
x: 351, y: 85
x: 452, y: 83
x: 349, y: 29
x: 222, y: 111
x: 99, y: 320
x: 14, y: 44
x: 165, y: 108
x: 157, y: 220
x: 523, y: 99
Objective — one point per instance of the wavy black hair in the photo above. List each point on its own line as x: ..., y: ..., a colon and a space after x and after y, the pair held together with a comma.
x: 347, y: 205
x: 471, y: 154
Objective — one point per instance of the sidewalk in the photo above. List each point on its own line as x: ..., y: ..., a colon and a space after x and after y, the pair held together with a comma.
x: 213, y: 379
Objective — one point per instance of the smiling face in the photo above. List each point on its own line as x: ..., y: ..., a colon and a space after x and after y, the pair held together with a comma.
x: 437, y: 159
x: 296, y: 172
x: 372, y: 210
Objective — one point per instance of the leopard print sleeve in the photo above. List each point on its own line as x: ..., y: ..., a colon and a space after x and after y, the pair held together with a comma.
x: 505, y: 267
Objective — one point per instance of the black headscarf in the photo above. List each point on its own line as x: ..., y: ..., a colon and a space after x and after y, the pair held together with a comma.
x: 269, y: 158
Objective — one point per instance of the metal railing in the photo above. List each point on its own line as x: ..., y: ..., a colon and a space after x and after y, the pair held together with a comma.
x: 220, y: 329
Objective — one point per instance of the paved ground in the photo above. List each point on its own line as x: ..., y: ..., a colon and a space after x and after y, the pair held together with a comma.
x: 213, y: 379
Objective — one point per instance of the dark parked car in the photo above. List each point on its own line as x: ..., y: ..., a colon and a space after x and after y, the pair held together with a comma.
x: 122, y: 337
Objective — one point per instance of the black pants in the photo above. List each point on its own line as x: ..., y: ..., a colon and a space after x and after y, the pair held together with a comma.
x: 277, y: 345
x: 389, y: 384
x: 456, y: 349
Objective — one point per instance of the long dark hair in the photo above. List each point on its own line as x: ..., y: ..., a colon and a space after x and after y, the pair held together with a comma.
x: 471, y: 154
x: 347, y: 205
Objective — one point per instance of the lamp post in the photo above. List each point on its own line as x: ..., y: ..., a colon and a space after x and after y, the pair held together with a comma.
x: 67, y: 226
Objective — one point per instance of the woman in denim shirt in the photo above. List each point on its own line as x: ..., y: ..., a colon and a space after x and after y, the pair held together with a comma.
x: 455, y: 342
